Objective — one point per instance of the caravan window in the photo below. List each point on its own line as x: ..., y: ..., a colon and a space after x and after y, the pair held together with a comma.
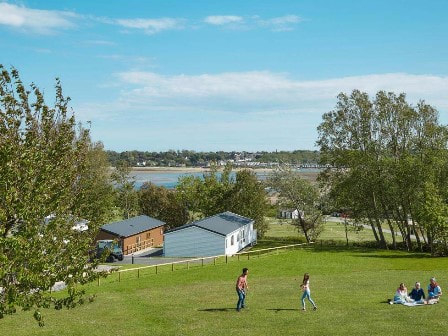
x: 232, y: 241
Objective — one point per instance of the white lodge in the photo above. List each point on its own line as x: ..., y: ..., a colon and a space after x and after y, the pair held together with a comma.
x: 224, y: 233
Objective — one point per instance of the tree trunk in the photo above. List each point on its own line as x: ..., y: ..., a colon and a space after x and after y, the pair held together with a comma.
x: 417, y: 236
x: 397, y: 220
x: 391, y: 227
x: 383, y: 242
x: 374, y: 230
x: 346, y: 230
x: 303, y: 226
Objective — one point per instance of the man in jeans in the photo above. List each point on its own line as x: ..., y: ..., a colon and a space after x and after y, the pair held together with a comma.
x: 241, y: 288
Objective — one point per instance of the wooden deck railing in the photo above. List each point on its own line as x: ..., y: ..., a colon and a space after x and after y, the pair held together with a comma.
x: 138, y: 246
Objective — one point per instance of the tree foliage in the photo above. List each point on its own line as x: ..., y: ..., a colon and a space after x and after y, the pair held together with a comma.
x: 163, y: 204
x: 215, y: 193
x: 384, y: 152
x: 47, y: 171
x: 126, y: 195
x: 299, y: 194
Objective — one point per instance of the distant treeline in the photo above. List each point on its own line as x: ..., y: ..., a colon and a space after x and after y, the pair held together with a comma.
x: 190, y: 158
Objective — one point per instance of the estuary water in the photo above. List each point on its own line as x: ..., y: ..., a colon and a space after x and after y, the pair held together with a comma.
x: 169, y: 179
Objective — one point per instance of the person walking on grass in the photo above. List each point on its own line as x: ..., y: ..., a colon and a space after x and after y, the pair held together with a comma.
x: 305, y: 287
x: 241, y: 289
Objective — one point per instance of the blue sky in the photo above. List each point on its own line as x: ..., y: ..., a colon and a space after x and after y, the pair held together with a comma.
x: 223, y: 75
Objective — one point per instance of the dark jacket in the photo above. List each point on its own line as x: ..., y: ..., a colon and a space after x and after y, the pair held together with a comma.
x: 417, y: 295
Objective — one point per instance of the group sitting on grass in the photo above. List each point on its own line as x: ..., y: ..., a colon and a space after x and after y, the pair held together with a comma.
x: 417, y: 295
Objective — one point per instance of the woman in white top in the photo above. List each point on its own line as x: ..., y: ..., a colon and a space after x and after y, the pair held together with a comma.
x: 305, y: 286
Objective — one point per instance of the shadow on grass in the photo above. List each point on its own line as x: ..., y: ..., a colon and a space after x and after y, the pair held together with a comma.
x: 217, y: 309
x: 395, y: 256
x: 369, y: 252
x: 283, y: 309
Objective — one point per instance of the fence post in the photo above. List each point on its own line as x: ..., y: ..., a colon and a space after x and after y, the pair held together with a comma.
x: 138, y: 273
x: 214, y: 261
x: 98, y: 281
x: 172, y: 267
x: 202, y: 261
x: 132, y: 259
x: 156, y: 269
x: 248, y: 254
x: 226, y: 258
x: 119, y: 276
x: 188, y: 265
x: 238, y: 257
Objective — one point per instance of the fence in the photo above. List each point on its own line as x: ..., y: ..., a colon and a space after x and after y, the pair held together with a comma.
x: 132, y: 248
x: 203, y: 260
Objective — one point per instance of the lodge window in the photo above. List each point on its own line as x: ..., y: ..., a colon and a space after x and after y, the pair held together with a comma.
x: 148, y: 235
x: 137, y: 240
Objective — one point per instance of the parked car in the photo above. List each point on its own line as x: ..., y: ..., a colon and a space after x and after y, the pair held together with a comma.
x: 111, y: 247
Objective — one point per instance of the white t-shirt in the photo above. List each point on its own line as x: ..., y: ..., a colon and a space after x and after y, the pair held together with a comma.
x: 306, y: 285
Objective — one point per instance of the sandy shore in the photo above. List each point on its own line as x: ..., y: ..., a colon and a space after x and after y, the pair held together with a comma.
x: 312, y: 176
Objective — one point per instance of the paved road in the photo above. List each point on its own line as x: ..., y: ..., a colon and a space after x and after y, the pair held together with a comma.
x: 152, y: 257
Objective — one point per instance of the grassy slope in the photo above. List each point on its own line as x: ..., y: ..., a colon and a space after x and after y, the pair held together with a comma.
x: 349, y: 287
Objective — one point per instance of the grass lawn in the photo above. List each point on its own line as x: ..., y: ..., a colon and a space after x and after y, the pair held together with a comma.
x: 350, y: 287
x: 282, y: 228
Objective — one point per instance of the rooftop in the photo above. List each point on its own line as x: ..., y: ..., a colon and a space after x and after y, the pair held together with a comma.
x: 222, y: 223
x: 132, y: 226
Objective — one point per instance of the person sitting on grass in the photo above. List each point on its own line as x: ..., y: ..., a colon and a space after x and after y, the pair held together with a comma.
x: 401, y: 295
x: 417, y: 294
x: 434, y: 291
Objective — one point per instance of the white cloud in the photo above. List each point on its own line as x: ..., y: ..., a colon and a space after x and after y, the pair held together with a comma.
x: 220, y: 20
x: 100, y: 42
x: 248, y: 91
x: 152, y: 26
x: 35, y: 20
x: 239, y: 110
x: 281, y: 23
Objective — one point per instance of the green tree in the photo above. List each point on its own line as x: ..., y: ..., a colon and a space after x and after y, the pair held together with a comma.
x: 432, y: 213
x: 127, y: 197
x: 215, y: 193
x: 382, y: 152
x: 248, y: 198
x: 299, y: 194
x: 44, y: 173
x: 161, y: 203
x: 96, y: 196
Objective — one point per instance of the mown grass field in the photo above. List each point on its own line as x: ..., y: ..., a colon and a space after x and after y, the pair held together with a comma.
x: 282, y: 228
x: 350, y: 286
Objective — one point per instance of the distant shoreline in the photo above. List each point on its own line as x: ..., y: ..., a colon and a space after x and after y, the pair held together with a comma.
x: 192, y: 169
x: 312, y: 176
